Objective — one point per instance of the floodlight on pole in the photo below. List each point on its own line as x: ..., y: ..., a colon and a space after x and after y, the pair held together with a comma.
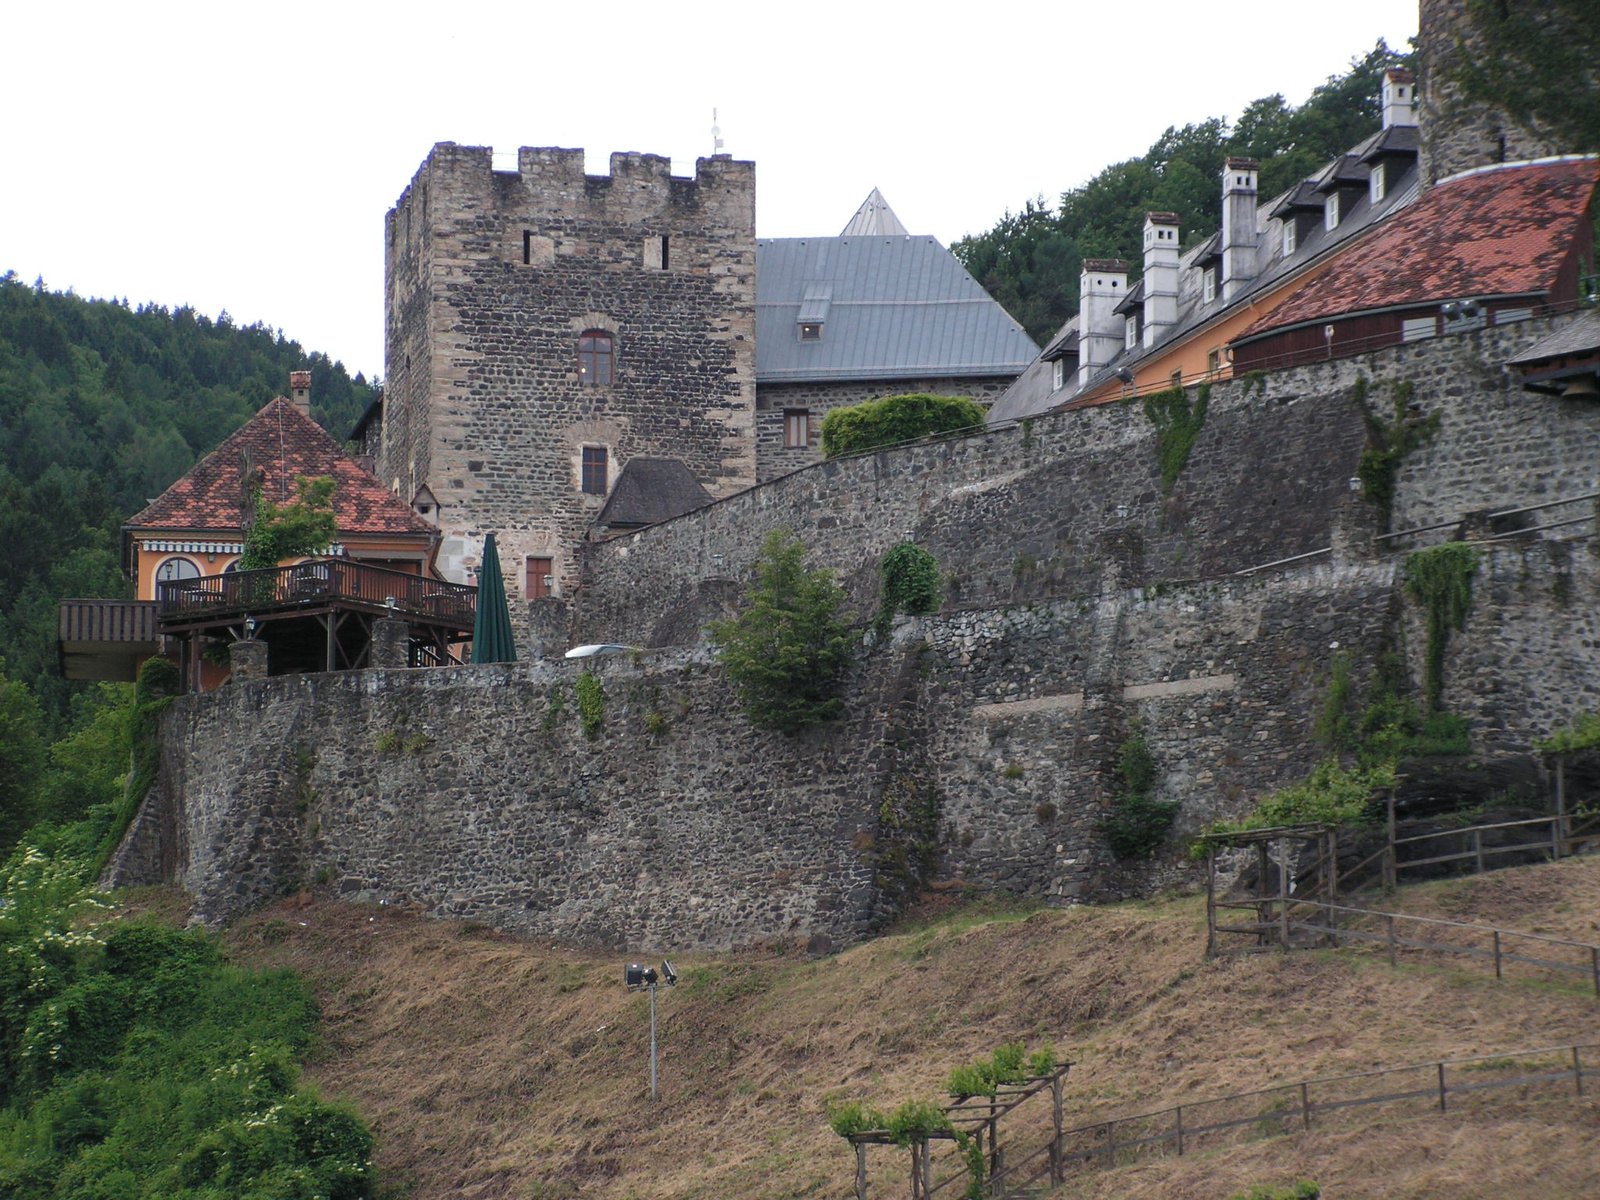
x: 646, y: 979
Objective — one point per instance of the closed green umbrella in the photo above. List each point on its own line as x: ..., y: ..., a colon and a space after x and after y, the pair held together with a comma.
x: 491, y: 628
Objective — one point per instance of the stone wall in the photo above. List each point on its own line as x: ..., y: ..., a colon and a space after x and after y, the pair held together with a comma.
x: 1036, y: 510
x: 773, y: 400
x: 491, y: 278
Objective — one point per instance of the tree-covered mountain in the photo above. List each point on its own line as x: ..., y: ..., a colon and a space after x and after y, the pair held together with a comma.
x: 1029, y: 261
x: 102, y: 406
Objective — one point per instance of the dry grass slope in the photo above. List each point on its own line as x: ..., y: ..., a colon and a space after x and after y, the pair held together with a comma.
x: 495, y: 1067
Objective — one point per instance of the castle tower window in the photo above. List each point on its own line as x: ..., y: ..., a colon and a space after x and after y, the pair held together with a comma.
x: 594, y: 470
x: 665, y: 249
x: 796, y: 428
x: 594, y: 359
x: 540, y: 578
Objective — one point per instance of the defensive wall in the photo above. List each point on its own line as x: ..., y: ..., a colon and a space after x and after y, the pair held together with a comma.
x: 980, y: 742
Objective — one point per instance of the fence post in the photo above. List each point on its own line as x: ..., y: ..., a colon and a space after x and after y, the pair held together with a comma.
x: 1211, y: 900
x: 1305, y: 1106
x: 1111, y: 1143
x: 1441, y: 1088
x: 999, y: 1173
x: 1555, y: 840
x: 1180, y: 1131
x: 1477, y: 848
x: 1283, y: 894
x: 927, y: 1169
x: 1390, y: 859
x: 1056, y: 1173
x: 1390, y: 921
x: 1594, y: 967
x: 861, y: 1171
x: 1497, y: 954
x: 1577, y: 1070
x: 1333, y: 882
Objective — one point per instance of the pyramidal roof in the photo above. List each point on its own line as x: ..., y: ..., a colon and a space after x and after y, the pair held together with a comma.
x: 277, y: 445
x: 874, y: 218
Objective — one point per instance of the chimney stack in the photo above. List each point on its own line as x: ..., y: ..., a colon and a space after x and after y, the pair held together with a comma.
x: 1399, y: 98
x: 1160, y: 275
x: 1102, y: 286
x: 300, y: 390
x: 1238, y: 225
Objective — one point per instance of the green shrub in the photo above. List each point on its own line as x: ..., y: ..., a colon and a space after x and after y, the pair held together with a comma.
x: 1302, y: 1189
x: 1331, y: 795
x: 1440, y: 579
x: 895, y: 419
x: 1137, y: 824
x: 788, y: 650
x: 917, y: 1121
x: 304, y: 525
x: 591, y: 705
x: 136, y: 1063
x: 1582, y: 734
x: 911, y: 583
x: 852, y: 1117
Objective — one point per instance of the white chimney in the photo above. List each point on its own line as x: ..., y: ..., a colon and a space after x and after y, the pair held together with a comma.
x: 1160, y: 274
x: 300, y: 390
x: 1399, y: 97
x: 1238, y: 225
x: 1102, y: 286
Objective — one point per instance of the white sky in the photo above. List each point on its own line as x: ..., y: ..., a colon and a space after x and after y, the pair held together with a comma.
x: 242, y: 157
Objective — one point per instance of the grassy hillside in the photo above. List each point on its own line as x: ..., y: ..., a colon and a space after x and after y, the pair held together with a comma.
x: 491, y: 1066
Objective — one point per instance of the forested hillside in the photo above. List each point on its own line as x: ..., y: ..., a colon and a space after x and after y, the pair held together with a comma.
x: 102, y: 405
x: 1029, y: 261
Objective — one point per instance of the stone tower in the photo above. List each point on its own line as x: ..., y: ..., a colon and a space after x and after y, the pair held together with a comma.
x: 544, y: 327
x: 1457, y: 135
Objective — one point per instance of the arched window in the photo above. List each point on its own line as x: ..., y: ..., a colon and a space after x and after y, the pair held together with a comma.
x: 174, y: 569
x: 594, y: 358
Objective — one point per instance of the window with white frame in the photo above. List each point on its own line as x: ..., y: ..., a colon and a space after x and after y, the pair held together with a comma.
x: 1130, y: 331
x: 1058, y: 378
x: 1288, y: 237
x: 1415, y: 329
x: 1208, y: 284
x: 1379, y: 182
x: 1330, y: 211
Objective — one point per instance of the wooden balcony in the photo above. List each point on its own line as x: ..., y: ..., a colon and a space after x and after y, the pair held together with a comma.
x: 313, y: 587
x: 106, y: 639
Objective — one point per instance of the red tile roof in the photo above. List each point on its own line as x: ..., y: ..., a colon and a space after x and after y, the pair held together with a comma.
x: 283, y: 443
x: 1503, y: 232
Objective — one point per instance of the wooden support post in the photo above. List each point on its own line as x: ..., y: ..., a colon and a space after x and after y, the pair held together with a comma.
x: 333, y: 641
x: 1477, y: 848
x: 1180, y: 1131
x: 1283, y: 894
x: 998, y: 1188
x: 916, y: 1173
x: 1056, y: 1173
x: 1211, y: 901
x: 1594, y: 968
x: 1577, y: 1071
x: 1561, y: 793
x: 1497, y: 974
x: 1263, y: 905
x: 1555, y: 840
x: 1441, y: 1088
x: 927, y: 1170
x: 861, y: 1171
x: 1111, y: 1144
x: 1391, y: 859
x: 1333, y: 884
x: 1305, y: 1105
x: 1390, y: 922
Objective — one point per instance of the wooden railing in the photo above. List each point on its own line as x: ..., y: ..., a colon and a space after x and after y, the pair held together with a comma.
x: 317, y: 583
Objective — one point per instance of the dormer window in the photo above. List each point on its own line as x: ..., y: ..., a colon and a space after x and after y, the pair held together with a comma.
x: 1378, y: 182
x: 1330, y: 211
x: 1058, y: 378
x: 810, y: 331
x: 1208, y: 284
x: 1288, y: 237
x: 1130, y: 331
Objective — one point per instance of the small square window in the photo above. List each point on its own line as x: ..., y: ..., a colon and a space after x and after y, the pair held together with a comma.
x: 796, y: 428
x: 594, y: 470
x: 810, y: 331
x: 1415, y: 329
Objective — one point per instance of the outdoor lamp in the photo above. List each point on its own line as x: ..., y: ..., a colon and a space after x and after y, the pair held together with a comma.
x: 249, y: 628
x: 634, y: 975
x: 645, y: 979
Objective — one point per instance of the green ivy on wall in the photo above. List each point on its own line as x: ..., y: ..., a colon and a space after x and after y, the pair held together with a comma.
x: 1177, y: 424
x: 1440, y: 579
x: 1389, y: 439
x: 911, y: 583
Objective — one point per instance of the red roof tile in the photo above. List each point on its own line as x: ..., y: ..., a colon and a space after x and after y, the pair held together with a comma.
x: 283, y: 443
x: 1500, y: 233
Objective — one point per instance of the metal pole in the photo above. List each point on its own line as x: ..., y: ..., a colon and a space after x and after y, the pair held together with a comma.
x: 652, y: 1042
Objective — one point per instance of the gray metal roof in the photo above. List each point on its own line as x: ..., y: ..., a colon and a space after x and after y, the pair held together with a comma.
x: 651, y: 490
x: 896, y: 307
x: 1580, y: 337
x: 874, y: 219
